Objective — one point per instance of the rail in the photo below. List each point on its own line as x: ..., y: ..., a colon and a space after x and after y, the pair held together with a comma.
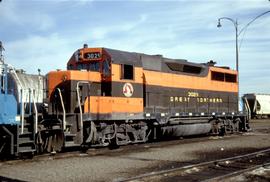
x: 227, y: 161
x: 63, y: 108
x: 223, y: 177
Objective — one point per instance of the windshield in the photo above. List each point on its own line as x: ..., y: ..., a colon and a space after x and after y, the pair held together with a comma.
x: 93, y: 66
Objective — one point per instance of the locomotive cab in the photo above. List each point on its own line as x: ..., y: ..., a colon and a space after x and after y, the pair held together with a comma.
x: 93, y: 60
x: 120, y: 81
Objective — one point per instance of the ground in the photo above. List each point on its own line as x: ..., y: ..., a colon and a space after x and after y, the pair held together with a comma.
x: 114, y: 165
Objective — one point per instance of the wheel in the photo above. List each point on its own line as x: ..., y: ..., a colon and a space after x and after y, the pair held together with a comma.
x: 235, y: 124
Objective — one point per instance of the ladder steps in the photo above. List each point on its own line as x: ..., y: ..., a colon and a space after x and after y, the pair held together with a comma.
x: 25, y: 133
x: 71, y: 144
x: 26, y: 149
x: 70, y: 135
x: 25, y: 140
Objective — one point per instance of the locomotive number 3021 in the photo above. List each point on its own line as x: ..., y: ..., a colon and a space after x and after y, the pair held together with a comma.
x: 92, y: 55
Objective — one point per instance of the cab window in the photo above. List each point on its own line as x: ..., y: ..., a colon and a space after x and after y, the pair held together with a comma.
x: 127, y: 72
x: 94, y: 66
x: 106, y: 67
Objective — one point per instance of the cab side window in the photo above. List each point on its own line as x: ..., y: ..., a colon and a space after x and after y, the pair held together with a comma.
x: 127, y: 72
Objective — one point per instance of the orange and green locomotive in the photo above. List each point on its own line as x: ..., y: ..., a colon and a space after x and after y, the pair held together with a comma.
x: 108, y: 96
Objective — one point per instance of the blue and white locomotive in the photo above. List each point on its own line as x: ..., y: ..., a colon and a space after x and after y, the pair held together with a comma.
x: 20, y: 98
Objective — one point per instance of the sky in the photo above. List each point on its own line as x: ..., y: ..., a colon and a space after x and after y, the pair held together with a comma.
x: 43, y: 34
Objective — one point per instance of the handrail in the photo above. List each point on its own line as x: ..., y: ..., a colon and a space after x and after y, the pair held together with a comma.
x: 22, y: 102
x: 248, y: 108
x: 30, y: 98
x: 11, y: 139
x: 36, y: 111
x: 79, y: 101
x: 22, y: 112
x: 63, y: 108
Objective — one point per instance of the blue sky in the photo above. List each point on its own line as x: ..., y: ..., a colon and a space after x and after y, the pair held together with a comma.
x: 44, y: 33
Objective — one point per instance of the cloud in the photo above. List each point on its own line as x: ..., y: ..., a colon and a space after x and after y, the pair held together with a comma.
x: 7, y: 11
x: 48, y: 53
x: 22, y: 15
x: 50, y: 33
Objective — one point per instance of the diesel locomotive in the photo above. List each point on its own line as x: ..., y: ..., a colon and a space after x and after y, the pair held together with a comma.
x: 112, y: 97
x: 21, y: 98
x: 109, y: 96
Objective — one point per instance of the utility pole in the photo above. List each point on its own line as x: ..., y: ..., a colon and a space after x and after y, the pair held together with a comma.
x: 1, y: 51
x: 237, y: 35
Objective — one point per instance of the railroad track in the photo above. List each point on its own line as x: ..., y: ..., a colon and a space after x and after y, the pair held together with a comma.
x: 215, y: 170
x: 76, y: 152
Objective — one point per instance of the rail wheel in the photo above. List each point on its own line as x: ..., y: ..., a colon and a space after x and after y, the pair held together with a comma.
x: 216, y: 127
x: 235, y: 124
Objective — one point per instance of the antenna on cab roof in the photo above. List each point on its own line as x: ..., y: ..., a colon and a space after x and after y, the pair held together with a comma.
x: 85, y: 45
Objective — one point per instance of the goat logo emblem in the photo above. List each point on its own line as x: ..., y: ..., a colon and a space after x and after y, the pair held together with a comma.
x: 128, y: 90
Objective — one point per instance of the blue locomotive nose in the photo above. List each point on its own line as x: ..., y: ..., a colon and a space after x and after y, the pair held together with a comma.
x: 8, y: 103
x: 8, y: 109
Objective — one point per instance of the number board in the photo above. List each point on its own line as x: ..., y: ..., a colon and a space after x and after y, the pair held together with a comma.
x: 92, y: 55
